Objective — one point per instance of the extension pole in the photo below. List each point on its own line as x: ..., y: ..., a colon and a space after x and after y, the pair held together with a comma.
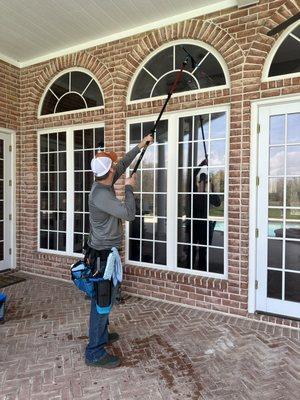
x: 153, y: 130
x: 204, y: 145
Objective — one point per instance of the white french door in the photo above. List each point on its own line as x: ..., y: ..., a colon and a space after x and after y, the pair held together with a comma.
x: 278, y: 210
x: 5, y: 202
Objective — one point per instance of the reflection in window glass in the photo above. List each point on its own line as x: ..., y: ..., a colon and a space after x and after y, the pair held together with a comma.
x: 73, y: 90
x: 200, y: 223
x: 148, y: 234
x: 287, y: 57
x: 158, y: 74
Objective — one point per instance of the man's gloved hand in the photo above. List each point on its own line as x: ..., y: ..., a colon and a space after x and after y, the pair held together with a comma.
x: 131, y: 181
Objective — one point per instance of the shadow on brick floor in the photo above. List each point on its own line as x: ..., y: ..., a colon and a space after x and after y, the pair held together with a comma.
x: 169, y: 352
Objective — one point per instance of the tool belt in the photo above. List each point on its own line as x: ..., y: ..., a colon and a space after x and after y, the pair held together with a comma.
x: 87, y: 275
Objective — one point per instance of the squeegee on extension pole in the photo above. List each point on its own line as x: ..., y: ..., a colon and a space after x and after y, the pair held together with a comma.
x: 171, y: 91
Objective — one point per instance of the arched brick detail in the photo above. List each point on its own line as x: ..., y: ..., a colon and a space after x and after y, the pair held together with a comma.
x: 83, y: 60
x: 205, y: 31
x: 262, y: 44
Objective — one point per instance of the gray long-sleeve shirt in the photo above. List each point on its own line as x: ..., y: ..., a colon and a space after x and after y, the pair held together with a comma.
x: 106, y: 211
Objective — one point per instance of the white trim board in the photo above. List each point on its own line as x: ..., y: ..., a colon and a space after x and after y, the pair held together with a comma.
x: 130, y: 32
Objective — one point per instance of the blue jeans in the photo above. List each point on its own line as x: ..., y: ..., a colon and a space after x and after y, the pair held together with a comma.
x: 98, y: 334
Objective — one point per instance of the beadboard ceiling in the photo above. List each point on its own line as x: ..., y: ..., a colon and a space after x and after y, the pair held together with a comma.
x: 33, y: 30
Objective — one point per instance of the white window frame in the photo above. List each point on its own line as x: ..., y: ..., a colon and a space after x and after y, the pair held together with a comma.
x: 172, y: 182
x: 70, y: 184
x: 271, y: 55
x: 65, y: 71
x: 189, y: 92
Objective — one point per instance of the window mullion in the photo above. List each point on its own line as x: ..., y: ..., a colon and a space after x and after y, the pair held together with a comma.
x: 172, y: 192
x: 70, y: 190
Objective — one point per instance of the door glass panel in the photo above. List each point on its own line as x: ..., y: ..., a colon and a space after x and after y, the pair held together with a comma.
x: 292, y: 285
x: 277, y: 129
x: 293, y: 160
x: 276, y: 161
x: 274, y: 284
x: 275, y: 253
x: 293, y: 124
x: 292, y: 255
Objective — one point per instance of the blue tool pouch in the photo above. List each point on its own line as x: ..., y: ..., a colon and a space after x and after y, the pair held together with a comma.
x: 81, y: 274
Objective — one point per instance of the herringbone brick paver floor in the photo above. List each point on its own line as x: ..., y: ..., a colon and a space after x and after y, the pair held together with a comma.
x: 169, y: 352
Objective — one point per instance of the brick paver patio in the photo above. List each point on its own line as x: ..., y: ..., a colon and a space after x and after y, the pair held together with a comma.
x: 169, y: 352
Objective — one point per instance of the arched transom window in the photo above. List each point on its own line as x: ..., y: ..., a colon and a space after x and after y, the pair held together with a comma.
x: 158, y: 74
x: 287, y: 57
x: 73, y: 90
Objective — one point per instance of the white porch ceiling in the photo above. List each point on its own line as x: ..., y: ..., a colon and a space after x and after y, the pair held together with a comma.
x: 33, y: 30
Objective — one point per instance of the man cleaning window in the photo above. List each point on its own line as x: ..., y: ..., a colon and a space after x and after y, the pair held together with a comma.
x: 106, y: 215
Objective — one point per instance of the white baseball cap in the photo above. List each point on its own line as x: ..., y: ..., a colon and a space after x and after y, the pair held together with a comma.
x: 102, y: 162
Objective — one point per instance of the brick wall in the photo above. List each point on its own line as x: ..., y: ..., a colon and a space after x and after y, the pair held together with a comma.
x: 240, y: 38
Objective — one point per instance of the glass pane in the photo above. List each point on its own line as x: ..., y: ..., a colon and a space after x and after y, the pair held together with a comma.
x: 43, y: 240
x: 196, y: 52
x: 43, y: 143
x: 184, y: 205
x: 276, y: 161
x: 293, y: 192
x: 1, y: 209
x: 275, y: 213
x: 88, y: 139
x: 44, y: 184
x: 78, y: 203
x: 53, y: 221
x: 277, y: 129
x: 53, y: 201
x: 216, y: 233
x: 62, y: 242
x: 275, y: 229
x: 210, y: 73
x: 148, y: 181
x: 53, y: 240
x: 274, y: 253
x: 274, y: 284
x: 199, y: 152
x: 62, y: 221
x: 53, y: 162
x: 134, y: 228
x: 162, y: 132
x: 147, y: 228
x: 293, y: 214
x: 77, y: 243
x: 148, y: 204
x: 276, y: 192
x: 199, y: 232
x: 147, y: 252
x: 44, y: 201
x: 183, y: 256
x: 89, y: 180
x: 78, y: 139
x: 93, y: 96
x: 78, y: 160
x: 161, y: 156
x: 185, y: 155
x: 149, y: 158
x: 186, y: 83
x: 216, y: 260
x: 53, y: 142
x: 293, y: 126
x: 293, y: 230
x: 161, y: 180
x: 49, y: 104
x: 1, y: 190
x: 161, y: 205
x: 200, y: 206
x: 78, y: 179
x: 135, y: 133
x: 216, y: 180
x: 134, y: 250
x: 185, y: 129
x: 292, y: 287
x: 63, y: 182
x: 160, y: 253
x: 161, y: 229
x: 43, y: 220
x: 62, y: 161
x: 86, y: 206
x: 217, y: 153
x: 86, y: 227
x: 78, y: 222
x: 53, y: 181
x: 184, y: 180
x: 62, y: 141
x: 198, y: 134
x: 61, y: 85
x: 293, y: 160
x: 292, y: 252
x: 62, y: 202
x: 142, y: 86
x: 79, y: 81
x: 287, y: 58
x: 99, y: 137
x: 70, y: 102
x: 2, y: 149
x: 137, y: 203
x: 184, y: 230
x: 200, y: 258
x: 218, y: 125
x: 161, y: 63
x: 2, y: 231
x: 216, y: 205
x: 44, y: 162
